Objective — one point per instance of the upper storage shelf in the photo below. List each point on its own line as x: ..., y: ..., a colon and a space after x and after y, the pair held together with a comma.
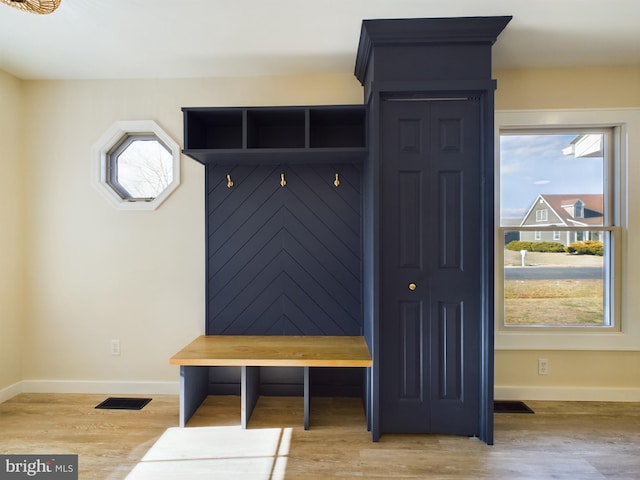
x: 276, y: 135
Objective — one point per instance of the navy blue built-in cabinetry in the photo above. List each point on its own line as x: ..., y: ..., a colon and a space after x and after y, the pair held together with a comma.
x: 276, y: 135
x: 284, y: 209
x: 283, y: 230
x: 373, y: 220
x: 428, y: 223
x: 284, y: 260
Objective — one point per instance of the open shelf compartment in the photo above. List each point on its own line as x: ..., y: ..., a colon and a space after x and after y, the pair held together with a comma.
x: 276, y: 128
x: 261, y: 135
x: 337, y: 127
x: 213, y: 128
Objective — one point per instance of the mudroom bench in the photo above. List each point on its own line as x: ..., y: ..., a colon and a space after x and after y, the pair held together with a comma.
x: 252, y: 352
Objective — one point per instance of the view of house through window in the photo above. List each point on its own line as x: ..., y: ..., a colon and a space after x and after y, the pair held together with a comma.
x: 554, y: 219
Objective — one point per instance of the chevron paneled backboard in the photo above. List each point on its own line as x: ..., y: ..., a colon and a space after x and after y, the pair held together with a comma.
x: 284, y: 260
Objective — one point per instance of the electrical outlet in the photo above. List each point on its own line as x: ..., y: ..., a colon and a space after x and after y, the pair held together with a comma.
x: 115, y: 347
x: 543, y: 366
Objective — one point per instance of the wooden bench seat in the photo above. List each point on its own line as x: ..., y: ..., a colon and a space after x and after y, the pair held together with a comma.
x: 252, y: 352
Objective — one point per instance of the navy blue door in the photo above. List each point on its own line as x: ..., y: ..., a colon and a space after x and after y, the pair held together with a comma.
x: 430, y: 327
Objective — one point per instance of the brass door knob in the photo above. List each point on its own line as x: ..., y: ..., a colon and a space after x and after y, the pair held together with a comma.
x: 412, y: 286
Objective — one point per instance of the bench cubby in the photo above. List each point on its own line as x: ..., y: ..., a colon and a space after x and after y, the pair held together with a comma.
x: 251, y: 353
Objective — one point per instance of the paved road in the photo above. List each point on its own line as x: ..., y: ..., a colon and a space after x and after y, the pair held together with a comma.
x: 552, y: 273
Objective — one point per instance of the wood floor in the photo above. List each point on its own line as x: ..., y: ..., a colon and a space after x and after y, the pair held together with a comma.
x: 562, y: 440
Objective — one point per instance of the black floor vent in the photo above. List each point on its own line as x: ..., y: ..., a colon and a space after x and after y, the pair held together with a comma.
x: 510, y: 406
x: 118, y: 403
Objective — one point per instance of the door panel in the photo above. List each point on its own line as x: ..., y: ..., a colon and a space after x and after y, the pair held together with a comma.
x: 410, y: 213
x: 430, y: 278
x: 411, y: 385
x: 450, y: 351
x: 450, y: 220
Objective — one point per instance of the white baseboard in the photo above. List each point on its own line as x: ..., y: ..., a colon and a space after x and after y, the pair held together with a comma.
x: 568, y: 394
x: 10, y: 391
x: 103, y: 387
x: 173, y: 388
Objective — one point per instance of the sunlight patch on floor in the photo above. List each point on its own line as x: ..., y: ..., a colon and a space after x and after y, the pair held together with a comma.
x: 216, y: 452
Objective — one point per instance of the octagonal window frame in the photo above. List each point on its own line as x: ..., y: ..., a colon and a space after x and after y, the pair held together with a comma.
x: 110, y: 145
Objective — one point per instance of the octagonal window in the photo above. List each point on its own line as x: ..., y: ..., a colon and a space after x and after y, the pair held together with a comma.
x: 136, y: 165
x: 140, y: 168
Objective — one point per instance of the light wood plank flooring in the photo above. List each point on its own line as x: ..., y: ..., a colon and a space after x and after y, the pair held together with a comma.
x: 562, y: 440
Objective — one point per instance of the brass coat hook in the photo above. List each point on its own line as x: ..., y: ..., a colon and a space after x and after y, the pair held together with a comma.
x: 283, y: 182
x: 229, y: 181
x: 336, y: 182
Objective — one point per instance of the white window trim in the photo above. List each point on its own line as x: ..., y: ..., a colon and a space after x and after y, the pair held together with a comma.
x: 113, y: 136
x: 627, y: 255
x: 542, y: 215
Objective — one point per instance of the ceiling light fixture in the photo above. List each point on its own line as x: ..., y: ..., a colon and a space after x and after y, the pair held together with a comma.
x: 34, y: 6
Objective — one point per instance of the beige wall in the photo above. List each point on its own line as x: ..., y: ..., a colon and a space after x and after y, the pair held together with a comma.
x: 573, y: 374
x: 12, y: 238
x: 568, y: 88
x: 96, y: 273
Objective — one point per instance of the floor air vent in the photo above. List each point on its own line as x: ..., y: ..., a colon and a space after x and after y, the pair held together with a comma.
x: 118, y: 403
x: 510, y: 406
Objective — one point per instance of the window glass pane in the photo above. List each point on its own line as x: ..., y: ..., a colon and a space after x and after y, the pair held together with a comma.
x: 555, y: 288
x: 554, y: 277
x: 144, y: 168
x: 570, y: 165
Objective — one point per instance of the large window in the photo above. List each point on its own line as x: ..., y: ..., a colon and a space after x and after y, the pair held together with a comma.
x: 619, y: 233
x: 557, y: 225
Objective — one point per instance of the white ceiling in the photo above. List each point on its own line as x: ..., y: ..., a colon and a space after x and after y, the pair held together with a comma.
x: 100, y: 39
